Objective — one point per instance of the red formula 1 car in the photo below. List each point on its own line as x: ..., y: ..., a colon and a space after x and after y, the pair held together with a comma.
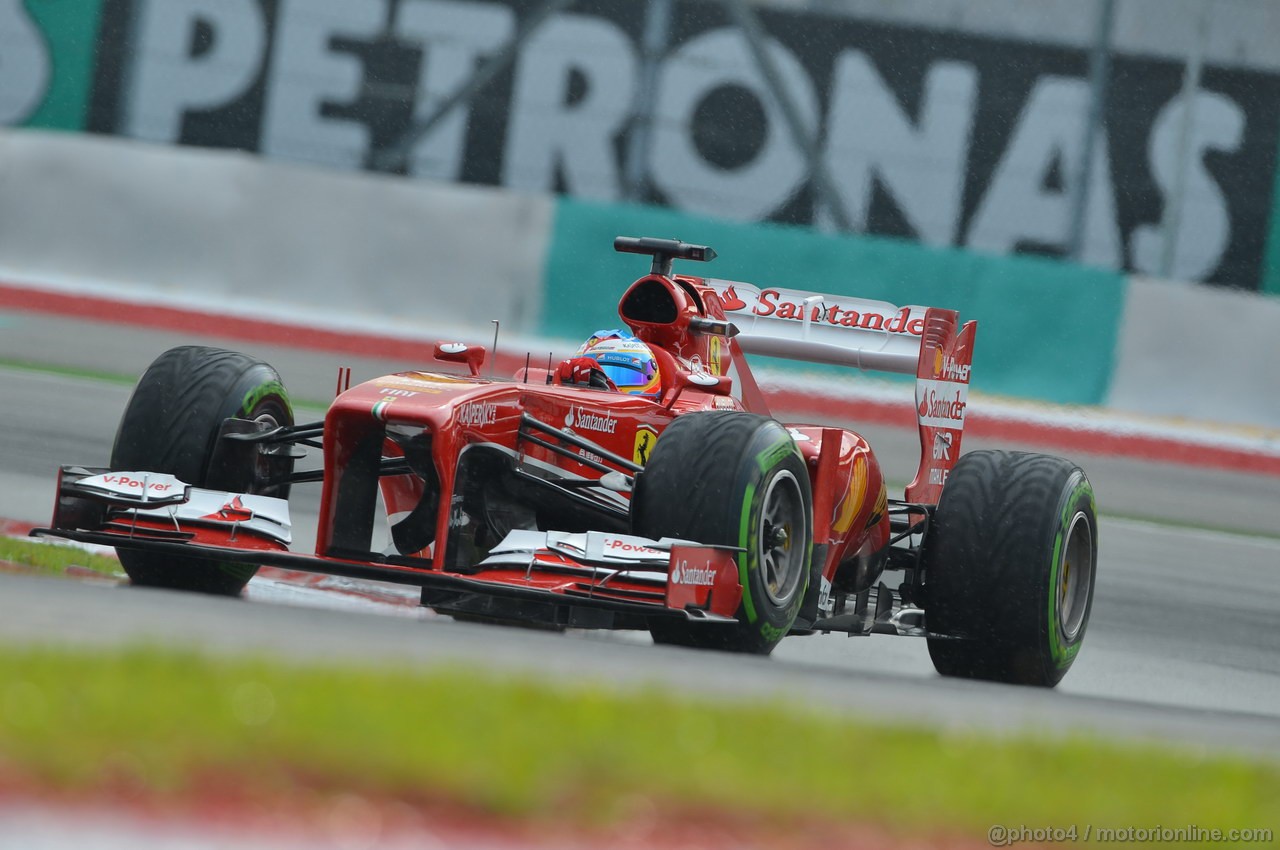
x: 554, y: 499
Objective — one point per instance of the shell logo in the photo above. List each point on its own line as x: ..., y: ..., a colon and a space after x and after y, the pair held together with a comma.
x: 853, y: 500
x: 882, y: 505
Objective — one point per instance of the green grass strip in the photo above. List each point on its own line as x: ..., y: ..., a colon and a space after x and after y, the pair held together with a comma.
x: 1191, y: 525
x: 67, y: 371
x: 54, y: 559
x: 313, y: 407
x: 1165, y: 522
x: 77, y: 719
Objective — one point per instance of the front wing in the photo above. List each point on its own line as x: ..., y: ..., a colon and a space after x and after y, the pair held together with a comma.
x: 563, y: 576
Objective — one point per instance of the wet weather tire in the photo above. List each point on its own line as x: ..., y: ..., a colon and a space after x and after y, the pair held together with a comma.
x: 735, y: 479
x: 1010, y: 563
x: 171, y: 424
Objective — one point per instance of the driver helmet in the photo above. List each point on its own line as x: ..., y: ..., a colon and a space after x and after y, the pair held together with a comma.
x: 626, y: 360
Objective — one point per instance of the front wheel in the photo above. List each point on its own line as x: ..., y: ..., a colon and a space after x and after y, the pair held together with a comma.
x: 733, y: 479
x: 171, y: 424
x: 1009, y: 568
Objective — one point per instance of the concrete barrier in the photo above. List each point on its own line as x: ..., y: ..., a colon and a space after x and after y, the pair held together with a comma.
x: 1198, y: 352
x: 228, y: 227
x: 234, y: 234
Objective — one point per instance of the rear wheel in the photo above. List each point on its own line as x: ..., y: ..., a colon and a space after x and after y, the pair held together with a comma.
x: 733, y: 479
x: 1010, y: 564
x: 171, y: 424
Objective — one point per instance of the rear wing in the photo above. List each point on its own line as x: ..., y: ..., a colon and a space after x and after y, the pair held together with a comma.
x: 927, y: 342
x: 833, y: 329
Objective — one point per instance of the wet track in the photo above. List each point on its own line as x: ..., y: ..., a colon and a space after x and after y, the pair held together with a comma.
x: 1183, y: 643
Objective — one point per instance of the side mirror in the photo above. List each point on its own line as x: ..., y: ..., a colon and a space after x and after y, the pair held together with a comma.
x: 714, y: 326
x: 459, y: 352
x: 717, y: 384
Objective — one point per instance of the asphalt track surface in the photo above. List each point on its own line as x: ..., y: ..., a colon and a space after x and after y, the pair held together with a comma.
x: 1183, y: 645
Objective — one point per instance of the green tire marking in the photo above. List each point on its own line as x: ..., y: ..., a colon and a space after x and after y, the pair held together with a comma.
x: 744, y: 538
x: 775, y: 454
x: 258, y: 393
x: 1063, y: 656
x: 765, y: 460
x: 768, y: 631
x: 1055, y: 645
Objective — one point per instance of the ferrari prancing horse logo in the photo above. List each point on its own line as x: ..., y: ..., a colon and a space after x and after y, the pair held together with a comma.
x: 646, y: 436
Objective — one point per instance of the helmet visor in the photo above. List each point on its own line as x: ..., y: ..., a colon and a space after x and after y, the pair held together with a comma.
x: 627, y: 377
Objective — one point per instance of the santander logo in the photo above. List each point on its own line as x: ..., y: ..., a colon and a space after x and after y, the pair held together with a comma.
x: 683, y: 573
x: 785, y: 304
x: 584, y: 420
x: 731, y: 302
x: 232, y: 511
x: 941, y: 403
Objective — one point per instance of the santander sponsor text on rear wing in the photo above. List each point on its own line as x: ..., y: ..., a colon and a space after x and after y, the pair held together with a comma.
x: 928, y: 342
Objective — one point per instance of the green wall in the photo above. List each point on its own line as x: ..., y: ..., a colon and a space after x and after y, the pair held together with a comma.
x: 1269, y: 279
x: 70, y: 30
x: 1045, y: 329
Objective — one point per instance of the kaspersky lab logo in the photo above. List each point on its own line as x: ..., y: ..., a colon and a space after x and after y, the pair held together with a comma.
x: 584, y: 420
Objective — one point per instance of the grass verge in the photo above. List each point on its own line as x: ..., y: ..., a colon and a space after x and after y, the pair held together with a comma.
x: 160, y: 719
x: 55, y: 559
x: 1188, y: 525
x: 67, y: 371
x: 1163, y: 522
x: 316, y: 408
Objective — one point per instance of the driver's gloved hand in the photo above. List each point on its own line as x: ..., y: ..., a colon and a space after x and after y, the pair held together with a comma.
x: 583, y: 371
